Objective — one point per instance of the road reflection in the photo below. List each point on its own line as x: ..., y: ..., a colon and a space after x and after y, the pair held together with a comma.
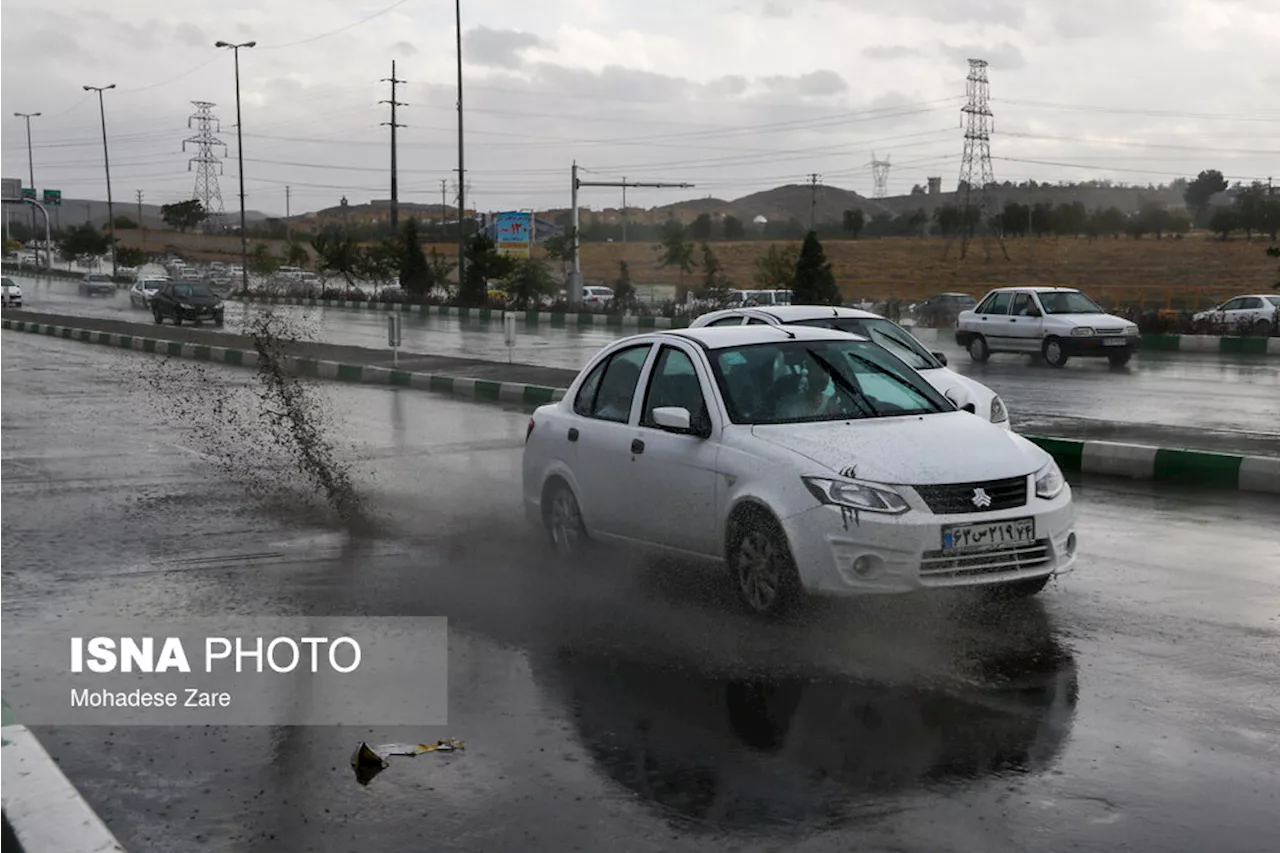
x: 729, y: 751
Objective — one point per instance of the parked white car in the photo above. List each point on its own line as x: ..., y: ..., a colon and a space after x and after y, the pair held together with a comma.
x: 12, y: 294
x: 1256, y: 313
x: 142, y: 290
x: 596, y: 297
x: 806, y: 461
x: 1056, y: 322
x: 961, y: 390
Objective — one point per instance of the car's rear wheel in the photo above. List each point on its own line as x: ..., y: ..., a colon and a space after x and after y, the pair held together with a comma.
x: 978, y: 349
x: 1119, y: 359
x: 563, y: 519
x: 1053, y: 352
x: 1019, y: 589
x: 760, y: 563
x: 1262, y: 327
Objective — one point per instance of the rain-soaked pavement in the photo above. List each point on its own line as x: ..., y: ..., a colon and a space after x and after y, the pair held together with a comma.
x: 1223, y: 393
x: 622, y: 706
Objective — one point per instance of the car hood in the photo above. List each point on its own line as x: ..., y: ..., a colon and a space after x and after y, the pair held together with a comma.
x: 1106, y: 321
x: 954, y: 447
x: 944, y: 379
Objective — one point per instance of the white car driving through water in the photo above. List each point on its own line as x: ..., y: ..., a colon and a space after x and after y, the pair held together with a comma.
x: 805, y: 461
x: 961, y: 390
x: 1056, y: 322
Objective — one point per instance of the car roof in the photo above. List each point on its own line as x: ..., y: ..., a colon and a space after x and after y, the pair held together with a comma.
x: 792, y: 313
x: 1036, y: 288
x: 723, y: 337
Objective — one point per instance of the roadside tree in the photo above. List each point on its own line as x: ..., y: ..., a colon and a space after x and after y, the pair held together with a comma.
x: 815, y: 283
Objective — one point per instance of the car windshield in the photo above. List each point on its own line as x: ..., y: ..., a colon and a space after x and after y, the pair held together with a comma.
x: 886, y: 333
x: 1068, y: 302
x: 99, y: 278
x: 188, y: 290
x: 806, y: 381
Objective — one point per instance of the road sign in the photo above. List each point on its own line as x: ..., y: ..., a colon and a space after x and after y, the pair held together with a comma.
x: 12, y: 189
x: 53, y: 198
x: 29, y: 192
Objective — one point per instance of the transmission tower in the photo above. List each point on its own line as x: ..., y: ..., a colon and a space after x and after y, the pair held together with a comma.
x: 880, y: 175
x: 976, y: 209
x: 209, y: 166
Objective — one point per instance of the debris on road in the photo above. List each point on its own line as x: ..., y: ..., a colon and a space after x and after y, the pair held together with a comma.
x: 369, y: 761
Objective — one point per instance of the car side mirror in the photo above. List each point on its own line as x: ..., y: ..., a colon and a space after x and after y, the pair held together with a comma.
x: 673, y: 418
x: 941, y: 357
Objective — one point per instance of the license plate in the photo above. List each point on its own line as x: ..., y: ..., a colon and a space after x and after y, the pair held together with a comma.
x: 995, y: 534
x: 1115, y: 342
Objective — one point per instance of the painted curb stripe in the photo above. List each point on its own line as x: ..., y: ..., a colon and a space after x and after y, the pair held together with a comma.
x: 1210, y: 469
x: 1122, y: 460
x: 1067, y: 452
x: 554, y: 318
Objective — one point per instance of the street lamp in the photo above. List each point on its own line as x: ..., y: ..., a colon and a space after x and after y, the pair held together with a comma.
x: 106, y: 162
x: 244, y: 236
x: 31, y: 166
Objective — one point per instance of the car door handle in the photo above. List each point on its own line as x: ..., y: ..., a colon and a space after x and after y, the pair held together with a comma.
x: 637, y: 446
x: 573, y: 433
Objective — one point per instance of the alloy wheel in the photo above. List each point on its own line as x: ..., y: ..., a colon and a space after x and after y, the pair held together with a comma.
x: 566, y: 522
x: 757, y: 568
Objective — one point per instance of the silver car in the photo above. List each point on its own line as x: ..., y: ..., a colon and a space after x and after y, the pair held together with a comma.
x: 143, y: 289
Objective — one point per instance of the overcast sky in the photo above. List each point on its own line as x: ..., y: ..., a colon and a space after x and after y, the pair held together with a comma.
x: 733, y: 96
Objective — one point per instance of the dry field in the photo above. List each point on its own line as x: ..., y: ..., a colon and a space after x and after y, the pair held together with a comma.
x: 1191, y: 272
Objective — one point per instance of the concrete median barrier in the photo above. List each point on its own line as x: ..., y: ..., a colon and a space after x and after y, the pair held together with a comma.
x: 43, y: 811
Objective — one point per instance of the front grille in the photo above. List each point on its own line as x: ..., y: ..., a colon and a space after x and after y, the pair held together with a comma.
x: 1109, y: 331
x: 942, y: 568
x: 958, y: 498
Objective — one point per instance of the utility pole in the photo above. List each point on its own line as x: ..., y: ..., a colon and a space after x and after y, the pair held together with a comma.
x: 106, y: 162
x: 31, y: 166
x: 244, y: 235
x: 813, y: 198
x: 879, y: 176
x: 462, y: 234
x: 207, y: 191
x: 977, y: 147
x: 575, y: 277
x: 141, y: 224
x: 624, y: 208
x: 395, y: 197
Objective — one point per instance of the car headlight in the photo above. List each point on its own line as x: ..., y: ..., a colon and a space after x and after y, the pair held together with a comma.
x: 186, y: 307
x: 1131, y: 331
x: 859, y: 496
x: 1082, y: 332
x: 999, y: 414
x: 1049, y: 481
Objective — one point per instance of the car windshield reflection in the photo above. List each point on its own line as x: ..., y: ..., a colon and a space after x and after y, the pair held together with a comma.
x: 1069, y: 303
x: 808, y: 381
x: 886, y: 333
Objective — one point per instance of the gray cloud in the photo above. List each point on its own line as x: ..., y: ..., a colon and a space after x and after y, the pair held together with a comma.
x: 404, y: 48
x: 887, y: 51
x: 774, y: 9
x: 189, y: 33
x: 729, y: 85
x: 1005, y: 12
x: 815, y: 83
x: 1003, y: 55
x: 498, y: 48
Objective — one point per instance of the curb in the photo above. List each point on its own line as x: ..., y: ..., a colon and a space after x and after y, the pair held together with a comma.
x: 1137, y: 461
x: 479, y: 389
x: 484, y: 315
x: 1225, y: 344
x: 1165, y: 464
x: 44, y: 810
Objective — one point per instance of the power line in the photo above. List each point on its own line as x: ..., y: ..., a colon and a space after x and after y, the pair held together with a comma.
x: 341, y: 29
x: 395, y: 198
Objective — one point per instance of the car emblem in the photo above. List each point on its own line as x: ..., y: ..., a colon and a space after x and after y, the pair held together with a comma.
x: 981, y: 499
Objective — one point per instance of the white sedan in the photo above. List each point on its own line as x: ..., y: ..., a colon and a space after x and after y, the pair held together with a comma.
x: 806, y: 461
x: 961, y: 390
x: 1257, y: 313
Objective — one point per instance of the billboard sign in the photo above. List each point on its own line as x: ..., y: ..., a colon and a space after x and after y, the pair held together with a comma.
x: 515, y: 233
x: 12, y: 189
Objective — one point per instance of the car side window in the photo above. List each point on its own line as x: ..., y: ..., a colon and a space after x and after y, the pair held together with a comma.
x: 1250, y: 302
x: 608, y: 390
x: 727, y: 321
x: 756, y: 321
x: 674, y: 382
x: 1022, y: 305
x: 1231, y: 305
x: 1000, y: 303
x: 985, y: 307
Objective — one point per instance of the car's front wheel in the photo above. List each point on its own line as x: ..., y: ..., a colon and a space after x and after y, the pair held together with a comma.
x: 760, y: 563
x: 978, y: 349
x: 563, y: 519
x: 1053, y: 352
x: 1119, y: 359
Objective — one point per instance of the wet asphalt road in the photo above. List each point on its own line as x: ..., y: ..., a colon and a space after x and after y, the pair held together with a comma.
x: 625, y: 706
x: 1222, y: 393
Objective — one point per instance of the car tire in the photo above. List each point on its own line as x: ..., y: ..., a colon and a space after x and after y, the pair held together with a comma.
x: 1262, y: 327
x: 155, y: 315
x: 1119, y: 359
x: 761, y: 566
x: 563, y: 519
x: 978, y: 349
x: 177, y: 319
x: 1053, y: 352
x: 1019, y: 589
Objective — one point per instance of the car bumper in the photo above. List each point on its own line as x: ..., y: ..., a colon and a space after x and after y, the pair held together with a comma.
x: 904, y: 552
x: 1101, y: 345
x: 199, y: 313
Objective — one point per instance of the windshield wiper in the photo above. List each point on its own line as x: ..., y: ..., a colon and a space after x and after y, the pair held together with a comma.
x: 894, y: 377
x: 858, y: 395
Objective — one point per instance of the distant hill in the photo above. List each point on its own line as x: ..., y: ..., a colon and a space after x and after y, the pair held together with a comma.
x: 76, y: 211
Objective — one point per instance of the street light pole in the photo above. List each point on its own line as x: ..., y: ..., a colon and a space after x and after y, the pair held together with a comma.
x: 244, y: 236
x: 31, y: 166
x: 106, y: 162
x: 462, y: 204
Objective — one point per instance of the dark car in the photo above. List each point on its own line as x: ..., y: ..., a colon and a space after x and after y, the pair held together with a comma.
x: 942, y: 310
x: 97, y: 284
x: 185, y: 300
